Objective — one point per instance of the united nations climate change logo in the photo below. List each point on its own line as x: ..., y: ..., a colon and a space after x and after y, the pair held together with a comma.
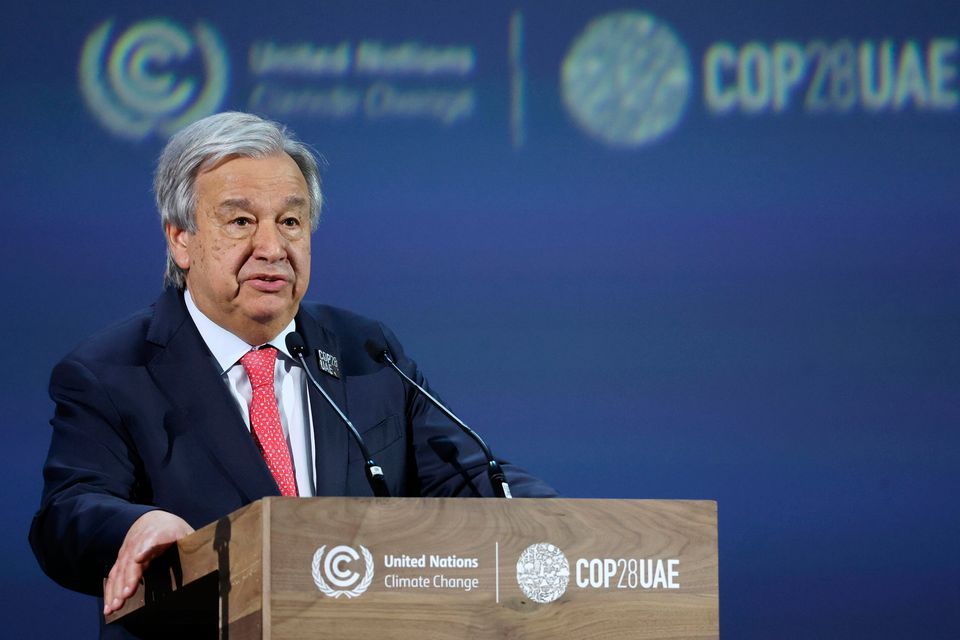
x: 154, y: 77
x: 626, y: 79
x: 543, y: 572
x: 330, y: 570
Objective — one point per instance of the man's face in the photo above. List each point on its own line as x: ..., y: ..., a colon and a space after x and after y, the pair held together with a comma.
x: 248, y: 264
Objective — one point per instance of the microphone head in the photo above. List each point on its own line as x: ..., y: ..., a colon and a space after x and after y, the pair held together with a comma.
x: 295, y: 345
x: 376, y: 350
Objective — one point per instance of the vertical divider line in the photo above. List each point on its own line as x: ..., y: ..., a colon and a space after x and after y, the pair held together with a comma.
x: 496, y: 555
x: 518, y: 133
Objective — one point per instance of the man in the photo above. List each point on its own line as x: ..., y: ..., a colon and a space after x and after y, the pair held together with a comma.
x: 193, y: 408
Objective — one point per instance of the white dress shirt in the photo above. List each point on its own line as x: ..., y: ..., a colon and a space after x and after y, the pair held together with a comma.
x: 289, y: 385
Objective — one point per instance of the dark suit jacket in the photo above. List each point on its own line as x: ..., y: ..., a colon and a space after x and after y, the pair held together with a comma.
x: 144, y: 421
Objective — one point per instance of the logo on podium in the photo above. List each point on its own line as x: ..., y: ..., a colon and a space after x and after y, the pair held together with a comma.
x: 329, y: 568
x: 543, y: 572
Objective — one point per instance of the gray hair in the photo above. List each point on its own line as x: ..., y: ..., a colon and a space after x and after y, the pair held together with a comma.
x: 205, y: 143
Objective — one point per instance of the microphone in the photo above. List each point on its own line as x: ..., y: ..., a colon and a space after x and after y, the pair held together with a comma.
x: 498, y: 480
x: 297, y: 348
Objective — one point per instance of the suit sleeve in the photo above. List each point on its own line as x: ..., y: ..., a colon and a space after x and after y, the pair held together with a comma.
x: 447, y: 461
x: 90, y: 483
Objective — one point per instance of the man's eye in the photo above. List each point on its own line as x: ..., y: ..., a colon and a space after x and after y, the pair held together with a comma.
x: 241, y: 222
x: 290, y: 222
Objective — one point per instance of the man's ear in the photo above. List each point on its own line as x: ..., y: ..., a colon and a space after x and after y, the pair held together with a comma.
x: 178, y: 240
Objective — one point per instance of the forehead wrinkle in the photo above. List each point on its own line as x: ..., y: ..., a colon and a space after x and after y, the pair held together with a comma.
x: 290, y: 202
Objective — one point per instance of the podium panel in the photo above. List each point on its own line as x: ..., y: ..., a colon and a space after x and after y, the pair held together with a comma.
x: 295, y: 568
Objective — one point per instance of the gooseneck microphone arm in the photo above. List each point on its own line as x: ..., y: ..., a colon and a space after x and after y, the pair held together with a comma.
x: 494, y: 471
x: 297, y: 348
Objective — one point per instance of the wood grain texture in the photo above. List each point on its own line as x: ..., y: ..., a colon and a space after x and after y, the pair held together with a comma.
x: 268, y: 588
x: 601, y: 529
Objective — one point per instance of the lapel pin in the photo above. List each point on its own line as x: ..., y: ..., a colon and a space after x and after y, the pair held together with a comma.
x: 328, y: 363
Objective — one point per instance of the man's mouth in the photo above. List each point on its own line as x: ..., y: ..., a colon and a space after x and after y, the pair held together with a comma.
x: 267, y: 283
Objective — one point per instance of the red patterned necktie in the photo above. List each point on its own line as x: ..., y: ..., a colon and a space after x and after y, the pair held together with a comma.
x: 265, y: 418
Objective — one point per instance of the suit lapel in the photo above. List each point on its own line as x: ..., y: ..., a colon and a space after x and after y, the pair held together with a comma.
x: 189, y: 376
x: 330, y: 435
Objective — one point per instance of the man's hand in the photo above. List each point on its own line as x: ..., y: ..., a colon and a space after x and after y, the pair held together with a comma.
x: 149, y: 536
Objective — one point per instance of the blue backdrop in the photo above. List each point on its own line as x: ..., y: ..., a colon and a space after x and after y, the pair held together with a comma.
x: 655, y: 250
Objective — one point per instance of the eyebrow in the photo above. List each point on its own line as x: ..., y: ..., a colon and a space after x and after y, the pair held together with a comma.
x: 295, y: 201
x: 235, y: 203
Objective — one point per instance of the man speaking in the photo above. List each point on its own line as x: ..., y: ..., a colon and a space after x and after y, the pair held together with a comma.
x: 195, y: 407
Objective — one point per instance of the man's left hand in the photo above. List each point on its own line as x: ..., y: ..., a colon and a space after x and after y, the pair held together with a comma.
x: 149, y: 536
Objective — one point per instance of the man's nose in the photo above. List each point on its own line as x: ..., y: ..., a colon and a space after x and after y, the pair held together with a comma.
x: 268, y: 243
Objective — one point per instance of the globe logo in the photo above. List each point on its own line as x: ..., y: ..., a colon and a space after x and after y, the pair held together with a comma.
x: 543, y: 572
x: 147, y: 80
x: 626, y: 79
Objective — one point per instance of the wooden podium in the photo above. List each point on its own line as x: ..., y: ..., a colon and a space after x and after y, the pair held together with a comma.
x: 291, y: 568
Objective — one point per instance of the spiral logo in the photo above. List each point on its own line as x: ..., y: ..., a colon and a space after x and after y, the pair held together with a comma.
x: 155, y: 77
x: 543, y: 572
x: 329, y: 568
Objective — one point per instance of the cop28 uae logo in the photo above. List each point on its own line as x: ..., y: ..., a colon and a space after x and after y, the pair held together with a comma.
x: 543, y: 572
x: 328, y: 569
x: 154, y: 77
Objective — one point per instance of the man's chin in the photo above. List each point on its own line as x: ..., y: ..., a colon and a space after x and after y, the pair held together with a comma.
x: 272, y: 317
x: 270, y: 310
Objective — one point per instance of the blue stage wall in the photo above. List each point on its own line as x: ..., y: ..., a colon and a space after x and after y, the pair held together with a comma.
x: 654, y: 250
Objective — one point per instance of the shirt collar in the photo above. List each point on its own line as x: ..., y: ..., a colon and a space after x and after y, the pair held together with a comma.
x: 226, y: 347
